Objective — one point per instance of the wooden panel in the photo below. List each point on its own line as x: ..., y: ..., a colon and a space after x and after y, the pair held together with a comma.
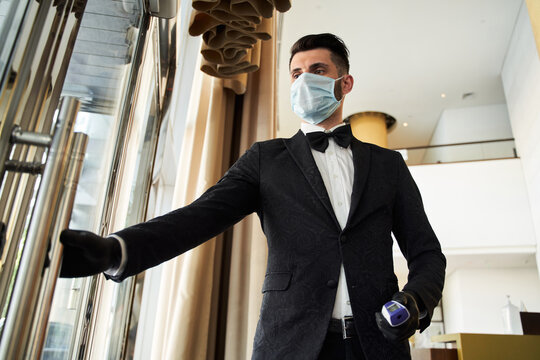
x: 493, y: 347
x: 434, y: 354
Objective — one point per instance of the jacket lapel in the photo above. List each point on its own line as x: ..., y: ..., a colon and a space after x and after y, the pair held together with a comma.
x: 300, y: 150
x: 361, y: 161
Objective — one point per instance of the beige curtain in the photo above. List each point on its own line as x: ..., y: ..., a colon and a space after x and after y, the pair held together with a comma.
x: 187, y: 320
x: 249, y: 250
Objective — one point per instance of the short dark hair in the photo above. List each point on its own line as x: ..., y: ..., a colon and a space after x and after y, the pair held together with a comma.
x: 338, y: 50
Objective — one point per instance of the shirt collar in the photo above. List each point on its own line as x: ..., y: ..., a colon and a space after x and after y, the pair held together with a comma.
x: 309, y: 128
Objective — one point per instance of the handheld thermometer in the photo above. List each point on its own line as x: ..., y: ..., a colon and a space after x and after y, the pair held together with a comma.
x: 395, y: 313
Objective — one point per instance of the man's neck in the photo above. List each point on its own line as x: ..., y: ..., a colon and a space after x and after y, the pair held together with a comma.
x: 332, y: 121
x: 327, y: 125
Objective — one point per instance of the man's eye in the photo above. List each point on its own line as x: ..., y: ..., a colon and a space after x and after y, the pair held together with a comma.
x: 295, y: 76
x: 319, y: 71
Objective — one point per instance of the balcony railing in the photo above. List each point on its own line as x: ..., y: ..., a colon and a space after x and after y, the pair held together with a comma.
x: 458, y: 152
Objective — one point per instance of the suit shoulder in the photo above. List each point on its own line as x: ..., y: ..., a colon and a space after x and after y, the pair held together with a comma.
x: 380, y: 151
x: 272, y: 144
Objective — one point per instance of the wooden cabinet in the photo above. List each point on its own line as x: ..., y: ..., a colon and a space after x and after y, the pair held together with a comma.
x: 493, y: 347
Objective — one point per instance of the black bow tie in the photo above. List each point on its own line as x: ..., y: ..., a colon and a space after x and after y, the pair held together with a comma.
x: 319, y: 140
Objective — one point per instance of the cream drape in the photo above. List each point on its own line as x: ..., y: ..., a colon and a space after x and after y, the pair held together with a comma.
x: 249, y: 250
x: 187, y: 316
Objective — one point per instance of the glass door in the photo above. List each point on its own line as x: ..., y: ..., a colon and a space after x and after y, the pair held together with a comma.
x: 106, y: 56
x: 37, y: 39
x: 105, y: 73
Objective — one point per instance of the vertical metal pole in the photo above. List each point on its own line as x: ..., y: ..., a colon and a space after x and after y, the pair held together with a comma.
x: 28, y: 280
x: 63, y: 216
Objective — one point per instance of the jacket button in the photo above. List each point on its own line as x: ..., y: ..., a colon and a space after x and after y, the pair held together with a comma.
x: 332, y: 284
x: 343, y: 238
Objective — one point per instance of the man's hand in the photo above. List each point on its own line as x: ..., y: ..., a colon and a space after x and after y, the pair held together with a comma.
x: 87, y: 254
x: 405, y: 330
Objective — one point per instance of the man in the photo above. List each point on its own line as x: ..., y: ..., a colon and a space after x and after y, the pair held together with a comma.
x: 328, y: 204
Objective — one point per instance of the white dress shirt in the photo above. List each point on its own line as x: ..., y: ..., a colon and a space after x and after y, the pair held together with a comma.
x: 337, y: 171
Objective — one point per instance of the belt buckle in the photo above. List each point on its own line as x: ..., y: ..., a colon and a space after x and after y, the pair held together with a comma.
x: 344, y: 320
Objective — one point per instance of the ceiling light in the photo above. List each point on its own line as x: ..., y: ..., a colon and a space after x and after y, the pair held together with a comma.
x: 405, y: 124
x: 443, y: 95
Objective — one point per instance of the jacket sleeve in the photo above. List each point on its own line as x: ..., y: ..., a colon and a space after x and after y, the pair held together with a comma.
x: 419, y: 244
x: 235, y: 196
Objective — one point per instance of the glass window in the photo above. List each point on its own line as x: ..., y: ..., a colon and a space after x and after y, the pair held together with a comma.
x: 11, y: 16
x: 98, y: 74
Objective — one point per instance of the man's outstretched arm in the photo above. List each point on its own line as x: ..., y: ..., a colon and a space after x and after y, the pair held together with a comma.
x: 160, y: 239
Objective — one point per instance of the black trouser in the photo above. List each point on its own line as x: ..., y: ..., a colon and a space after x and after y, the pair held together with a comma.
x: 337, y: 348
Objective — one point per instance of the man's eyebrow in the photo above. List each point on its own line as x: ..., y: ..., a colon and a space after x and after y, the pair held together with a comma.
x: 311, y: 67
x: 294, y: 70
x: 317, y: 65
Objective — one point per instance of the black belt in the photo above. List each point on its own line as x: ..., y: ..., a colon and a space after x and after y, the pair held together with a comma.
x: 343, y: 326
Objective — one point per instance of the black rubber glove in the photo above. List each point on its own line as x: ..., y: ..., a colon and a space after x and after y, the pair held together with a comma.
x: 403, y: 331
x: 86, y: 253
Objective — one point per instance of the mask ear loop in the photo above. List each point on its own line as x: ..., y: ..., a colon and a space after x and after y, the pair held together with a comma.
x: 341, y: 92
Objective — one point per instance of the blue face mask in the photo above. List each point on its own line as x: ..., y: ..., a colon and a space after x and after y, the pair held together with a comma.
x: 312, y: 97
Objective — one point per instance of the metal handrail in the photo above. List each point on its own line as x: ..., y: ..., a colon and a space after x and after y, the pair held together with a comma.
x: 28, y: 280
x: 453, y: 144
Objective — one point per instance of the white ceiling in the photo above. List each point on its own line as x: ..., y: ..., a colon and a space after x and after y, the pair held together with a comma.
x: 405, y: 54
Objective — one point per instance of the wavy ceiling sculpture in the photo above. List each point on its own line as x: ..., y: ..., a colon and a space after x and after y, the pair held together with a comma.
x: 231, y: 31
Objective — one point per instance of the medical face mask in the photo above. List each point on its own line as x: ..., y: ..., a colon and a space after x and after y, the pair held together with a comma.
x: 312, y: 97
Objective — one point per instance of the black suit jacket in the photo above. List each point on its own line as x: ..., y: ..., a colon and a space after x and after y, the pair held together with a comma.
x: 280, y: 181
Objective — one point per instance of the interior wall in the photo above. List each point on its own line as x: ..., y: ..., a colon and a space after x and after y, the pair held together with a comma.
x: 521, y: 81
x: 477, y: 205
x: 470, y: 124
x: 487, y: 122
x: 481, y: 214
x: 473, y: 299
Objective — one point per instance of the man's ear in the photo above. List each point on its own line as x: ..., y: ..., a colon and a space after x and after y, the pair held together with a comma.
x: 347, y: 84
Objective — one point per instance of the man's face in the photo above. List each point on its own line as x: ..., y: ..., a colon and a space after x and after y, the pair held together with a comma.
x: 316, y: 61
